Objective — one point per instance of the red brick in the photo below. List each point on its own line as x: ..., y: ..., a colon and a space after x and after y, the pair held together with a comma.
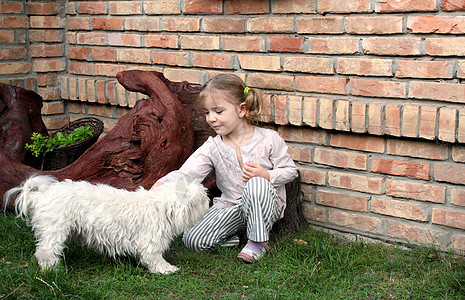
x: 344, y: 201
x: 461, y: 126
x: 461, y: 69
x: 125, y: 39
x: 436, y: 24
x: 286, y: 44
x: 269, y: 81
x: 79, y: 23
x: 46, y: 50
x: 340, y: 159
x: 260, y: 62
x: 77, y: 67
x: 449, y: 218
x: 350, y: 181
x: 108, y: 69
x: 398, y: 46
x: 358, y: 142
x: 79, y: 53
x: 49, y: 36
x: 266, y: 115
x: 11, y: 7
x: 243, y: 43
x: 91, y: 38
x: 165, y: 7
x: 333, y: 45
x: 134, y: 56
x: 53, y: 108
x: 245, y: 7
x: 161, y: 41
x: 7, y: 36
x: 14, y: 22
x: 358, y: 117
x: 416, y: 190
x: 104, y: 23
x: 407, y: 168
x: 280, y: 108
x: 320, y: 25
x: 296, y: 6
x: 312, y: 175
x: 378, y: 88
x: 172, y: 58
x: 452, y: 5
x: 312, y: 213
x: 229, y: 25
x: 326, y: 113
x: 92, y: 8
x: 392, y: 119
x: 413, y: 233
x: 374, y: 25
x: 459, y: 242
x: 198, y: 42
x: 425, y: 69
x: 104, y: 54
x: 447, y: 123
x: 203, y: 7
x: 458, y: 153
x: 111, y: 93
x: 418, y: 149
x: 405, y: 5
x: 181, y: 24
x: 12, y: 53
x: 270, y: 25
x: 125, y: 8
x: 341, y: 115
x: 318, y: 65
x: 364, y: 67
x: 151, y: 24
x: 399, y: 209
x: 444, y: 91
x: 445, y: 46
x: 212, y: 60
x: 410, y: 117
x: 303, y: 135
x: 295, y: 110
x: 336, y: 6
x: 49, y: 8
x: 46, y: 22
x: 457, y: 197
x: 50, y: 65
x: 449, y: 172
x: 320, y: 84
x: 302, y: 154
x: 47, y: 79
x: 309, y: 114
x: 355, y: 221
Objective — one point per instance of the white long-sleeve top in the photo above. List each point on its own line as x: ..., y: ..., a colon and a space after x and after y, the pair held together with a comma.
x: 266, y: 148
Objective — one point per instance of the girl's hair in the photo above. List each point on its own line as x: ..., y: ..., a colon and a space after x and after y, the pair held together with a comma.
x: 236, y: 92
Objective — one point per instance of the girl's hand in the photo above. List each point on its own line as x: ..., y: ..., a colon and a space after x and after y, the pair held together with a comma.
x: 156, y: 184
x: 251, y: 169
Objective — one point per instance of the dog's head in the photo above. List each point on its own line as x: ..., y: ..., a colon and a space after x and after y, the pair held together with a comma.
x: 193, y: 196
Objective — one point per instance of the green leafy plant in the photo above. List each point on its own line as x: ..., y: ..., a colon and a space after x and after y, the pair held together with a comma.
x: 44, y: 144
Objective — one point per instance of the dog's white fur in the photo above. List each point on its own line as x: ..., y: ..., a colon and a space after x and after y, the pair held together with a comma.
x: 115, y: 221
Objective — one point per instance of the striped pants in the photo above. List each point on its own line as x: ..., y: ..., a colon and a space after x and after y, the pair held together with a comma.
x: 256, y: 213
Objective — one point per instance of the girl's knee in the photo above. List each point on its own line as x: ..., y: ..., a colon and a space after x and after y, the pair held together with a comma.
x: 258, y: 186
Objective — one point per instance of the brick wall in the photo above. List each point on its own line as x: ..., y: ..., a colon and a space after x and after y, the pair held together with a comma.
x: 367, y: 93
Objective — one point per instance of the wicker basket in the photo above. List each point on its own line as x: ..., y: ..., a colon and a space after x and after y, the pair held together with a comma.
x: 65, y: 155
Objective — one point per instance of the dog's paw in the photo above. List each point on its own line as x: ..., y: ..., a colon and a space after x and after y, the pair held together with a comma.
x: 164, y: 269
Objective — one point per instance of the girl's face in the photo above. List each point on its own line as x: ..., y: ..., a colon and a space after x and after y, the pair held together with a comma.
x: 222, y: 115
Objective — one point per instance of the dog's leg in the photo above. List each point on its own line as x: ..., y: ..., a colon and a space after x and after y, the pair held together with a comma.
x: 156, y: 263
x: 50, y: 247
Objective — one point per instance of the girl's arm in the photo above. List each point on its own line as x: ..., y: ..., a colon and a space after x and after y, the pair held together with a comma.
x: 284, y: 169
x: 196, y: 167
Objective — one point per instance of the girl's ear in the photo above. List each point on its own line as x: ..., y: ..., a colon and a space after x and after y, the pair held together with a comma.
x: 242, y: 110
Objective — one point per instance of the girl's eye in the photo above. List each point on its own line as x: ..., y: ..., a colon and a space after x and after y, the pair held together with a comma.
x: 219, y: 111
x: 206, y: 112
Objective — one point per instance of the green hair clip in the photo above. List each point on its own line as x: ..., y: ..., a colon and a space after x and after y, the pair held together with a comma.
x: 246, y: 90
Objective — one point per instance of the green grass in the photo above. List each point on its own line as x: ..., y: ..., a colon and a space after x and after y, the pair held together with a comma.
x: 325, y: 268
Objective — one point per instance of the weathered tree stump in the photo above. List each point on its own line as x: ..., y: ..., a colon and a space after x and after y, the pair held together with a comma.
x: 155, y: 137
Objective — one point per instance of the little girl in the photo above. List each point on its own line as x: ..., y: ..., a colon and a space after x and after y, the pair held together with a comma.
x: 251, y: 165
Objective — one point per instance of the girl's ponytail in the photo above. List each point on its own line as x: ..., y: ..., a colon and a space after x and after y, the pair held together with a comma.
x: 253, y: 104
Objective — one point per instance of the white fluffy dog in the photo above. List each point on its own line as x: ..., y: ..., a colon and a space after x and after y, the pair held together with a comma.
x: 140, y: 223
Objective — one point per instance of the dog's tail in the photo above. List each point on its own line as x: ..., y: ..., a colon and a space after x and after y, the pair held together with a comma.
x: 22, y: 193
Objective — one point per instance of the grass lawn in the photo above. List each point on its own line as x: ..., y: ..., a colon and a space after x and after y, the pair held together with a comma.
x: 316, y: 266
